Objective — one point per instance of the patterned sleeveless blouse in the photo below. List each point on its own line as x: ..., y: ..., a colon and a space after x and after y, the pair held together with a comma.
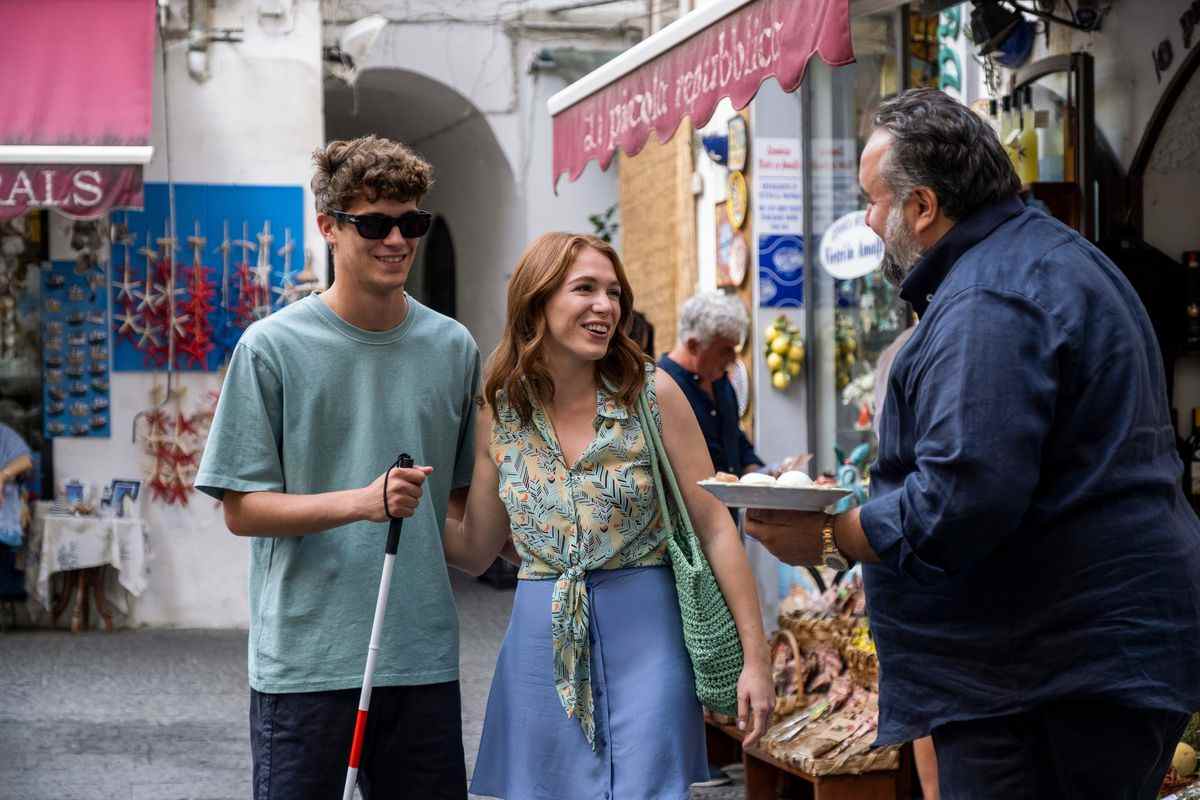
x: 568, y: 519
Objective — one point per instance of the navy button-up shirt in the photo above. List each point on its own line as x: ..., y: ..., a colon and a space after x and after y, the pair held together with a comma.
x: 731, y: 451
x: 1035, y: 541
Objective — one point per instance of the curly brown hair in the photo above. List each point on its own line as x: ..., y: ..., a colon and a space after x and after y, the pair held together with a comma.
x: 369, y: 168
x: 517, y: 366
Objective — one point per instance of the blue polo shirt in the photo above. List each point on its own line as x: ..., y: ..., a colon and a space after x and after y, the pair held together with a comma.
x: 731, y: 451
x: 1035, y: 541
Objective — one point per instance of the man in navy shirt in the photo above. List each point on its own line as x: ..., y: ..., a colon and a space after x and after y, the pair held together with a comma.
x: 712, y: 326
x: 1032, y: 566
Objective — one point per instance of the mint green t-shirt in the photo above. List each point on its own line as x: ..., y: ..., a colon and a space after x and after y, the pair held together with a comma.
x: 313, y: 404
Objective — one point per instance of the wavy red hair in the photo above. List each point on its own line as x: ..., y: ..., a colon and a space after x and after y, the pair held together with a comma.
x: 517, y: 366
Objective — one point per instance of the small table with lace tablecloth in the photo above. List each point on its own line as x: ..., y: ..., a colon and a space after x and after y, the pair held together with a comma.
x: 82, y: 547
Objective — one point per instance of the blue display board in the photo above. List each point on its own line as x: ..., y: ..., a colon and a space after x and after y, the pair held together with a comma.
x: 219, y: 214
x: 781, y: 271
x: 75, y: 350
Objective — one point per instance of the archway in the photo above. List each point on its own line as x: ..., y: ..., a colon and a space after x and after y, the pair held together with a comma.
x: 438, y: 278
x: 474, y: 194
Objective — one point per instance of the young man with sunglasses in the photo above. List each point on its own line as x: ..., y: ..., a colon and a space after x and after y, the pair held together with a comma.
x: 319, y: 399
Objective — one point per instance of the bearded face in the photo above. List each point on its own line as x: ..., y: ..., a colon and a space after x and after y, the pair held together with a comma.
x: 900, y: 248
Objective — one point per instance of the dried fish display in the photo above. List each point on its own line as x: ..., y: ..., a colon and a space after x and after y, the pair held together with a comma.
x: 826, y: 683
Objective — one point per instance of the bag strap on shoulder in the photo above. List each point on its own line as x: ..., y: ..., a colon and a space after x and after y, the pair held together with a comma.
x: 660, y: 467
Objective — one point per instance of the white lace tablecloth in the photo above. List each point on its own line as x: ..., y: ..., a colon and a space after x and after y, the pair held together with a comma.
x: 60, y: 542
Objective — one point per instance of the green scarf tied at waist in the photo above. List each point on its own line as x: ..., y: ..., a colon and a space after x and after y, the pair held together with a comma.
x: 570, y: 621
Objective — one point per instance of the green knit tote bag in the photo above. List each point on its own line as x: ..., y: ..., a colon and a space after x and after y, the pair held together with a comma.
x: 708, y: 629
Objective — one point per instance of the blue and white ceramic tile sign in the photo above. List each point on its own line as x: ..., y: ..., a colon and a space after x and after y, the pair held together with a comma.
x: 781, y: 271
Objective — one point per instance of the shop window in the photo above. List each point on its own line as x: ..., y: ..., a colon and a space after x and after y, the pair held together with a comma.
x: 854, y: 320
x: 1050, y: 137
x: 24, y: 247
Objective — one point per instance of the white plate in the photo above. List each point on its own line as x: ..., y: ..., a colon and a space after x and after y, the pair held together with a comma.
x: 802, y: 498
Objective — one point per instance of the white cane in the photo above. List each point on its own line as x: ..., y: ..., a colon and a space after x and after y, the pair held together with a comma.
x: 385, y: 582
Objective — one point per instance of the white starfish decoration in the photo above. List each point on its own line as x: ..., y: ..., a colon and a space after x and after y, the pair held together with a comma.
x: 166, y: 470
x: 187, y: 472
x: 129, y: 322
x: 148, y: 296
x: 286, y: 283
x: 127, y: 286
x: 167, y: 242
x: 163, y: 294
x: 148, y: 336
x: 176, y: 325
x: 197, y: 243
x: 245, y: 243
x: 262, y: 271
x: 179, y: 442
x: 127, y: 289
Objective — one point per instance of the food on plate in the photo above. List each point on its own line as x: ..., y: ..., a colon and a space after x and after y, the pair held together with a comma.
x: 794, y: 479
x: 725, y: 477
x: 757, y: 479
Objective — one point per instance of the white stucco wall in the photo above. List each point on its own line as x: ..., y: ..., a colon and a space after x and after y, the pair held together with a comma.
x: 494, y: 200
x: 255, y: 121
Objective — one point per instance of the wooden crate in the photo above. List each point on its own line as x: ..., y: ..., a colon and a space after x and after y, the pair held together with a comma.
x: 768, y: 778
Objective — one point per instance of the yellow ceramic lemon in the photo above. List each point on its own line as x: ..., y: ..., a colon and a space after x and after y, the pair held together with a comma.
x: 793, y: 367
x: 774, y: 361
x: 781, y: 344
x: 1184, y: 761
x: 795, y: 353
x: 780, y: 380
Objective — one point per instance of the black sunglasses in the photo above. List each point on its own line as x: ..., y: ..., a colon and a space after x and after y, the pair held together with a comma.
x: 412, y: 224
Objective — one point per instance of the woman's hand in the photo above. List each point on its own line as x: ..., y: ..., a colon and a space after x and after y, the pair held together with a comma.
x: 756, y: 698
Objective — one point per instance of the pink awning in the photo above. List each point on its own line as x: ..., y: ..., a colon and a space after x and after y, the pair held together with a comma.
x: 724, y: 49
x: 77, y: 104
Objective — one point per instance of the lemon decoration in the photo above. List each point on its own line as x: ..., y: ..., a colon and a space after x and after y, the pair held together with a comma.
x: 783, y: 346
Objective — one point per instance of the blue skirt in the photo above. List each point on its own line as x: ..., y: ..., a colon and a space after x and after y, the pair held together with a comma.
x: 649, y: 725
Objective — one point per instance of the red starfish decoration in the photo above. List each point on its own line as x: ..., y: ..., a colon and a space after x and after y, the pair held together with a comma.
x: 179, y: 493
x: 184, y: 426
x: 159, y: 490
x: 185, y: 459
x: 195, y: 350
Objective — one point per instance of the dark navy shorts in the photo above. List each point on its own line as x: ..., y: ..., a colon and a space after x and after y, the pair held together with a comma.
x: 1080, y: 747
x: 300, y: 743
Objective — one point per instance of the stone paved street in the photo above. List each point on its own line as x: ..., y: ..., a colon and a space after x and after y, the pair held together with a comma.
x: 161, y: 715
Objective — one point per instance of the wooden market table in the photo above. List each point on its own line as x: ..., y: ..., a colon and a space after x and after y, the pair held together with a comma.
x: 768, y: 778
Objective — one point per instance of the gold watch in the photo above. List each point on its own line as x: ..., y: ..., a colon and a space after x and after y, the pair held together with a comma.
x: 831, y: 556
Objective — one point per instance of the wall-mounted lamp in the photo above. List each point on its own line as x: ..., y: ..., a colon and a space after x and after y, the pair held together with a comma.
x: 199, y: 35
x: 991, y: 23
x: 354, y: 43
x: 1085, y: 15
